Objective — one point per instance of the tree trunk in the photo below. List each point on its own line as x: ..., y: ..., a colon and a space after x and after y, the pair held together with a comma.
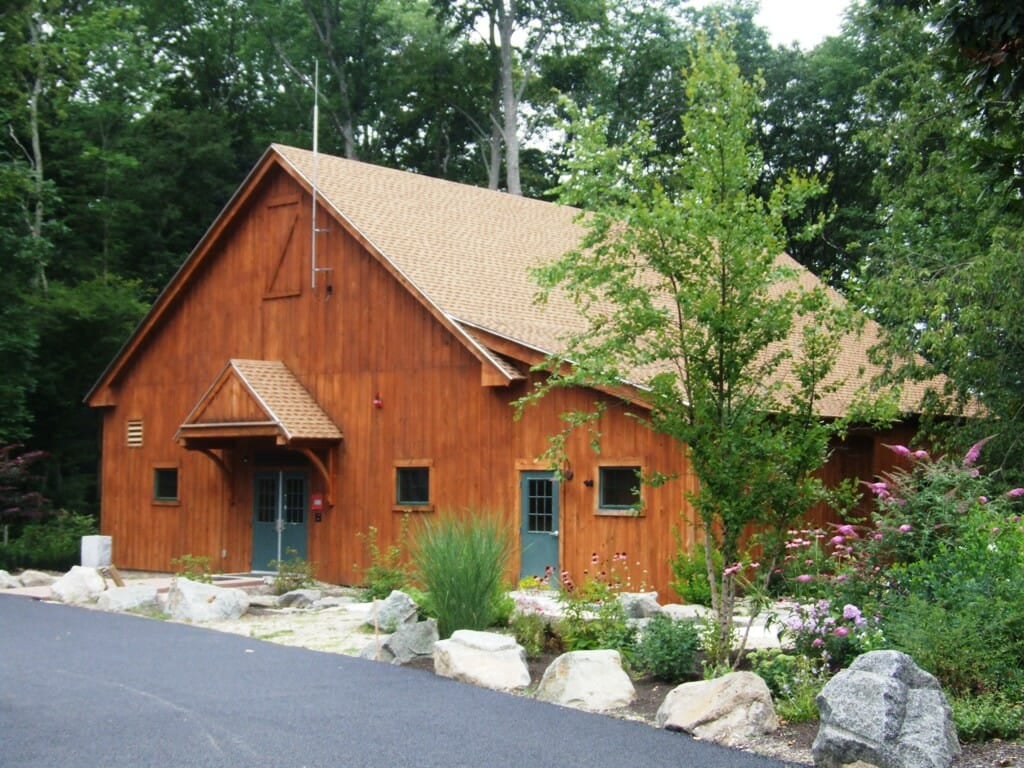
x: 39, y: 210
x: 509, y: 102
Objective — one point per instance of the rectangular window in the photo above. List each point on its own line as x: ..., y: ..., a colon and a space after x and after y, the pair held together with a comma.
x: 619, y: 488
x: 412, y: 486
x: 165, y: 484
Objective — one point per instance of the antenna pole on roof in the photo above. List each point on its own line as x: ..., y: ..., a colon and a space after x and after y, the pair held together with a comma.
x: 316, y: 141
x: 314, y: 267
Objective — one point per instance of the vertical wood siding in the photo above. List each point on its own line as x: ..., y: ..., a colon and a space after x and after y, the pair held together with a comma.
x: 368, y: 336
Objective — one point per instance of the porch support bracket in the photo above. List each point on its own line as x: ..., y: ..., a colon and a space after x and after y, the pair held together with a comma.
x: 224, y: 470
x: 325, y: 473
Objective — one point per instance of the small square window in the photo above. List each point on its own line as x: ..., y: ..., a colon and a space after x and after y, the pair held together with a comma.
x: 619, y: 488
x: 165, y: 484
x: 412, y: 485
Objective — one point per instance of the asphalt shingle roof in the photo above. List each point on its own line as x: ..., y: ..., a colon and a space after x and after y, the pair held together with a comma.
x: 287, y: 404
x: 469, y: 251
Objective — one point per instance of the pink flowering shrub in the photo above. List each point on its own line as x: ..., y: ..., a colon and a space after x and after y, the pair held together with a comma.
x: 938, y: 572
x: 830, y: 633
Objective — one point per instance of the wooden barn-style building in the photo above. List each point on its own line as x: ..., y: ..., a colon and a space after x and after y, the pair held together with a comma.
x: 342, y: 349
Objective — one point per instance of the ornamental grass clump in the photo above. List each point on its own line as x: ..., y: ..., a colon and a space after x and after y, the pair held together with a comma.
x: 460, y: 561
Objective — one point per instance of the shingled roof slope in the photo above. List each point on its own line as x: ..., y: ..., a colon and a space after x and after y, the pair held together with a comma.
x: 287, y: 404
x: 469, y: 250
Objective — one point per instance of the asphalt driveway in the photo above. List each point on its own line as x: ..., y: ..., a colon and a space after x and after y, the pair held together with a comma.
x: 86, y: 688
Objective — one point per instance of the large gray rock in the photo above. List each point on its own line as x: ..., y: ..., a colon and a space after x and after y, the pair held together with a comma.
x: 32, y: 578
x: 130, y: 598
x: 640, y: 605
x: 590, y: 680
x: 264, y: 601
x: 397, y: 609
x: 193, y: 601
x: 486, y: 659
x: 8, y: 582
x: 375, y: 650
x: 732, y: 710
x: 887, y: 712
x: 79, y: 585
x: 299, y: 598
x: 412, y: 641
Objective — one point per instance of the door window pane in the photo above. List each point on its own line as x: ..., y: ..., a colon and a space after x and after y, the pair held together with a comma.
x: 266, y: 499
x: 540, y: 505
x: 294, y: 499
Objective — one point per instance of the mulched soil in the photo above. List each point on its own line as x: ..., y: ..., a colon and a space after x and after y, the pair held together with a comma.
x: 792, y: 742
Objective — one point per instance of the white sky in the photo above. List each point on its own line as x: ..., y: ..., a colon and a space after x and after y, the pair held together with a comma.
x: 807, y: 22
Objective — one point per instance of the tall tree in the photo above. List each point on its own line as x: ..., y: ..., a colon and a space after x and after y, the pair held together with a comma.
x: 679, y: 279
x: 518, y: 32
x: 811, y: 121
x: 944, y: 274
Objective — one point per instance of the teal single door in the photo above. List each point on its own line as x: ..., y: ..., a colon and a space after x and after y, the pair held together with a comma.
x: 539, y: 530
x: 278, y: 517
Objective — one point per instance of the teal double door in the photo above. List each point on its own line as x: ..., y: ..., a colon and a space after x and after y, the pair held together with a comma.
x: 279, y: 517
x: 538, y: 532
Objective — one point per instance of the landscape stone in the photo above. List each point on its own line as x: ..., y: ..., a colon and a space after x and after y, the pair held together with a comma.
x: 79, y: 585
x: 590, y: 680
x: 333, y: 601
x: 731, y: 710
x: 690, y: 611
x: 299, y: 598
x: 885, y: 711
x: 387, y: 615
x: 375, y: 651
x: 193, y: 601
x: 640, y: 605
x: 264, y: 601
x: 537, y: 602
x: 8, y: 582
x: 132, y: 597
x: 412, y: 641
x: 486, y: 659
x: 32, y: 578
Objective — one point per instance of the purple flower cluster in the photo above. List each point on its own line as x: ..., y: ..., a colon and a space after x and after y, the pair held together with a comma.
x: 820, y: 629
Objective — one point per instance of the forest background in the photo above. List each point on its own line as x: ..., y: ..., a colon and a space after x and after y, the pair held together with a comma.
x: 127, y: 125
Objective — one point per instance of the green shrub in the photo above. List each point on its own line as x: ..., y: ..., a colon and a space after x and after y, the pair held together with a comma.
x: 690, y: 573
x: 940, y: 565
x: 593, y: 618
x: 794, y: 681
x: 194, y: 568
x: 460, y: 561
x: 668, y: 648
x: 987, y: 717
x: 533, y: 632
x: 504, y: 607
x: 389, y: 569
x: 293, y: 572
x: 53, y: 543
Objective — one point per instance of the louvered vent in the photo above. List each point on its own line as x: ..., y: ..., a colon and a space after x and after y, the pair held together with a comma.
x: 135, y: 434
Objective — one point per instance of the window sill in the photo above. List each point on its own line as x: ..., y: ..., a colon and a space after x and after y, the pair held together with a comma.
x: 405, y: 508
x: 619, y: 513
x: 166, y: 502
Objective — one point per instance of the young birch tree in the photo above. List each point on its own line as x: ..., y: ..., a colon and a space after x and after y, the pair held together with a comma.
x: 680, y: 279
